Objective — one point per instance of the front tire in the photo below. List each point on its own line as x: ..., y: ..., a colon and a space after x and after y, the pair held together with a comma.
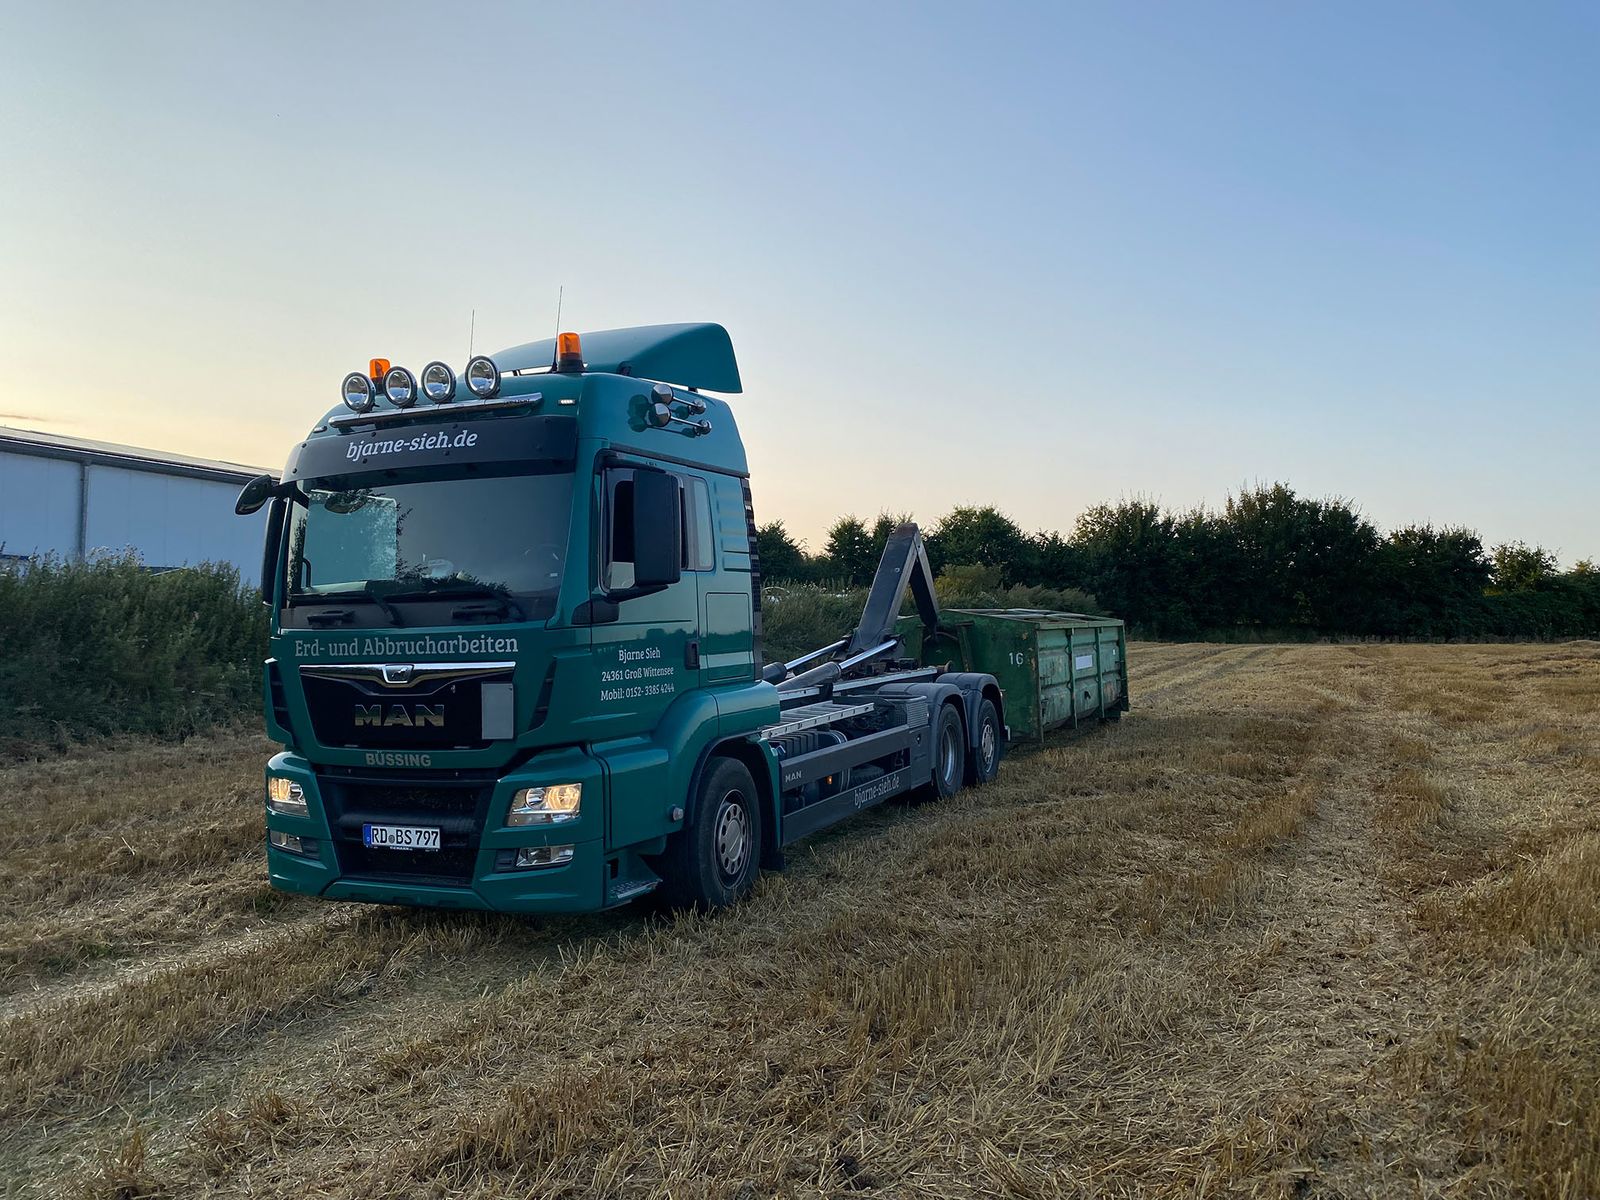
x: 713, y: 861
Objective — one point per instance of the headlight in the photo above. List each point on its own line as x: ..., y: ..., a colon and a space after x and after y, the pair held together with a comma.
x: 438, y: 382
x: 357, y: 392
x: 483, y: 377
x: 286, y: 797
x: 400, y: 385
x: 553, y: 804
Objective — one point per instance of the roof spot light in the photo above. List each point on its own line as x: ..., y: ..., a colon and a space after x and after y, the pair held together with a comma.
x: 439, y: 382
x: 401, y: 385
x: 483, y: 377
x: 357, y: 392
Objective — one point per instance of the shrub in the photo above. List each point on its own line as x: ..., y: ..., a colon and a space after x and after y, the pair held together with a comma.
x: 977, y: 586
x: 107, y: 646
x: 804, y: 617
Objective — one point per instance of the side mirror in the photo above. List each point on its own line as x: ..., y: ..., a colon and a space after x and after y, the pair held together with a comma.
x: 657, y: 529
x: 269, y: 545
x: 255, y: 493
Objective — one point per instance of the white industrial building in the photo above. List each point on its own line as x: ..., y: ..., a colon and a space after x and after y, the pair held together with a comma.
x: 71, y: 497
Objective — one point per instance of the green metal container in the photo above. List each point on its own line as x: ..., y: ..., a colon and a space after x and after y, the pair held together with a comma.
x: 1058, y: 670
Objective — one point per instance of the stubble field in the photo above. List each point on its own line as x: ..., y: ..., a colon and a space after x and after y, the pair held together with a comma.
x: 1311, y: 921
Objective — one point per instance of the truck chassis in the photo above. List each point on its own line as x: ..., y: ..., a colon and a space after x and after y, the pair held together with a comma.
x: 863, y: 725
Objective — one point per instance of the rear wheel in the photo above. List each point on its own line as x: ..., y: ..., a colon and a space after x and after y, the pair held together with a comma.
x: 949, y: 753
x: 988, y: 746
x: 714, y: 860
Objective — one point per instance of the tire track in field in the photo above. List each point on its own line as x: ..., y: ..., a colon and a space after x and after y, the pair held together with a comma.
x: 1148, y: 662
x: 75, y: 989
x: 1334, y: 977
x: 427, y: 962
x: 1191, y: 674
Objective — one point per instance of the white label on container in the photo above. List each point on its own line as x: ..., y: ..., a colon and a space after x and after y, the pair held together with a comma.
x: 1083, y: 662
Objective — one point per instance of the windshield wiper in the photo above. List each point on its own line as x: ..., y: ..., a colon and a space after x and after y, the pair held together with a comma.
x: 361, y: 593
x: 330, y: 616
x: 501, y: 605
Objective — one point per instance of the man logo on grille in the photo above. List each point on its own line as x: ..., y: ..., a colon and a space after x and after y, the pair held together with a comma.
x: 417, y: 716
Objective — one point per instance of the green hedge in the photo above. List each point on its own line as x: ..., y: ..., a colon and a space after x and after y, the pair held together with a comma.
x: 801, y: 617
x: 108, y: 646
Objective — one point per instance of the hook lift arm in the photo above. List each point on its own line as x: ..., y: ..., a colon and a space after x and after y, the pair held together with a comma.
x: 904, y: 564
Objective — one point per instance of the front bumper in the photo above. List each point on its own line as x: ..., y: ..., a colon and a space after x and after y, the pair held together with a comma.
x: 341, y: 870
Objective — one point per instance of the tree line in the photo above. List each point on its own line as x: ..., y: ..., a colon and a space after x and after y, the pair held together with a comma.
x: 1269, y: 562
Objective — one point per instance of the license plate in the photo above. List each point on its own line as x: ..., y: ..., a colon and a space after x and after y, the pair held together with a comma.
x: 400, y: 837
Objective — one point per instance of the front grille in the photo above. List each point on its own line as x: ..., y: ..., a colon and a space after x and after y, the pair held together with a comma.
x: 447, y: 867
x: 442, y: 715
x: 458, y: 807
x: 413, y: 800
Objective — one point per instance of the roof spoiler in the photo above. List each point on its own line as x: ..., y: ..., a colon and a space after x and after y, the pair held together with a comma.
x: 692, y: 356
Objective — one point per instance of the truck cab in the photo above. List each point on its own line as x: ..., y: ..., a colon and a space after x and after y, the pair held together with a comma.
x: 515, y: 653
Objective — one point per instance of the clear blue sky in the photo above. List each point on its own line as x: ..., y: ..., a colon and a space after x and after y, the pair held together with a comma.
x: 1035, y: 255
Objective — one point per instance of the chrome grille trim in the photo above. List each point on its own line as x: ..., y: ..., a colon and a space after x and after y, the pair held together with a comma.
x: 420, y: 673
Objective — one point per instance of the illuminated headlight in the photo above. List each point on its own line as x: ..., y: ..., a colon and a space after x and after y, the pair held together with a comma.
x: 286, y: 797
x: 291, y: 843
x: 483, y: 377
x: 400, y: 385
x: 553, y: 804
x: 357, y: 392
x: 438, y: 382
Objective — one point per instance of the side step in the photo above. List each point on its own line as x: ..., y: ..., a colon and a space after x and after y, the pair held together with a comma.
x: 811, y: 716
x: 623, y: 890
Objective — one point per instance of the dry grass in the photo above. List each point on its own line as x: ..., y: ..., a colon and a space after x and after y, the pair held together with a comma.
x: 122, y: 1174
x: 1312, y: 921
x: 84, y: 1049
x: 128, y: 851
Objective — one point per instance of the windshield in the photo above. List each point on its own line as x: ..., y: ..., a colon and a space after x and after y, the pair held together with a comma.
x: 473, y: 537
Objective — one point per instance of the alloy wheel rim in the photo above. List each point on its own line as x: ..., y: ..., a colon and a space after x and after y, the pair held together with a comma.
x: 732, y: 836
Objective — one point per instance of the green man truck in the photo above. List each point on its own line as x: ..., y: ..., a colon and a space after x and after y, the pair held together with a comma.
x: 515, y: 657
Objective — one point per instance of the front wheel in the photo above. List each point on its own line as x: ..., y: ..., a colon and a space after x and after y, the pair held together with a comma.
x: 714, y: 860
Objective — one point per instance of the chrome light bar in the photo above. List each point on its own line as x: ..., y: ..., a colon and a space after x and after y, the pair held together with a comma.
x: 454, y: 409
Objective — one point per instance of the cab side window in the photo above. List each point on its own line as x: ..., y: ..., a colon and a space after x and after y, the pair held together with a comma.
x: 694, y: 518
x: 698, y: 548
x: 618, y: 565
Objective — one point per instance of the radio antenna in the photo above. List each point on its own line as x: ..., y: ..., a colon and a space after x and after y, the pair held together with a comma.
x: 472, y: 332
x: 560, y: 293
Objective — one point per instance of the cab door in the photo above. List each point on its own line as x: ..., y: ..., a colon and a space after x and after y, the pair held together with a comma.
x: 727, y: 615
x: 645, y: 647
